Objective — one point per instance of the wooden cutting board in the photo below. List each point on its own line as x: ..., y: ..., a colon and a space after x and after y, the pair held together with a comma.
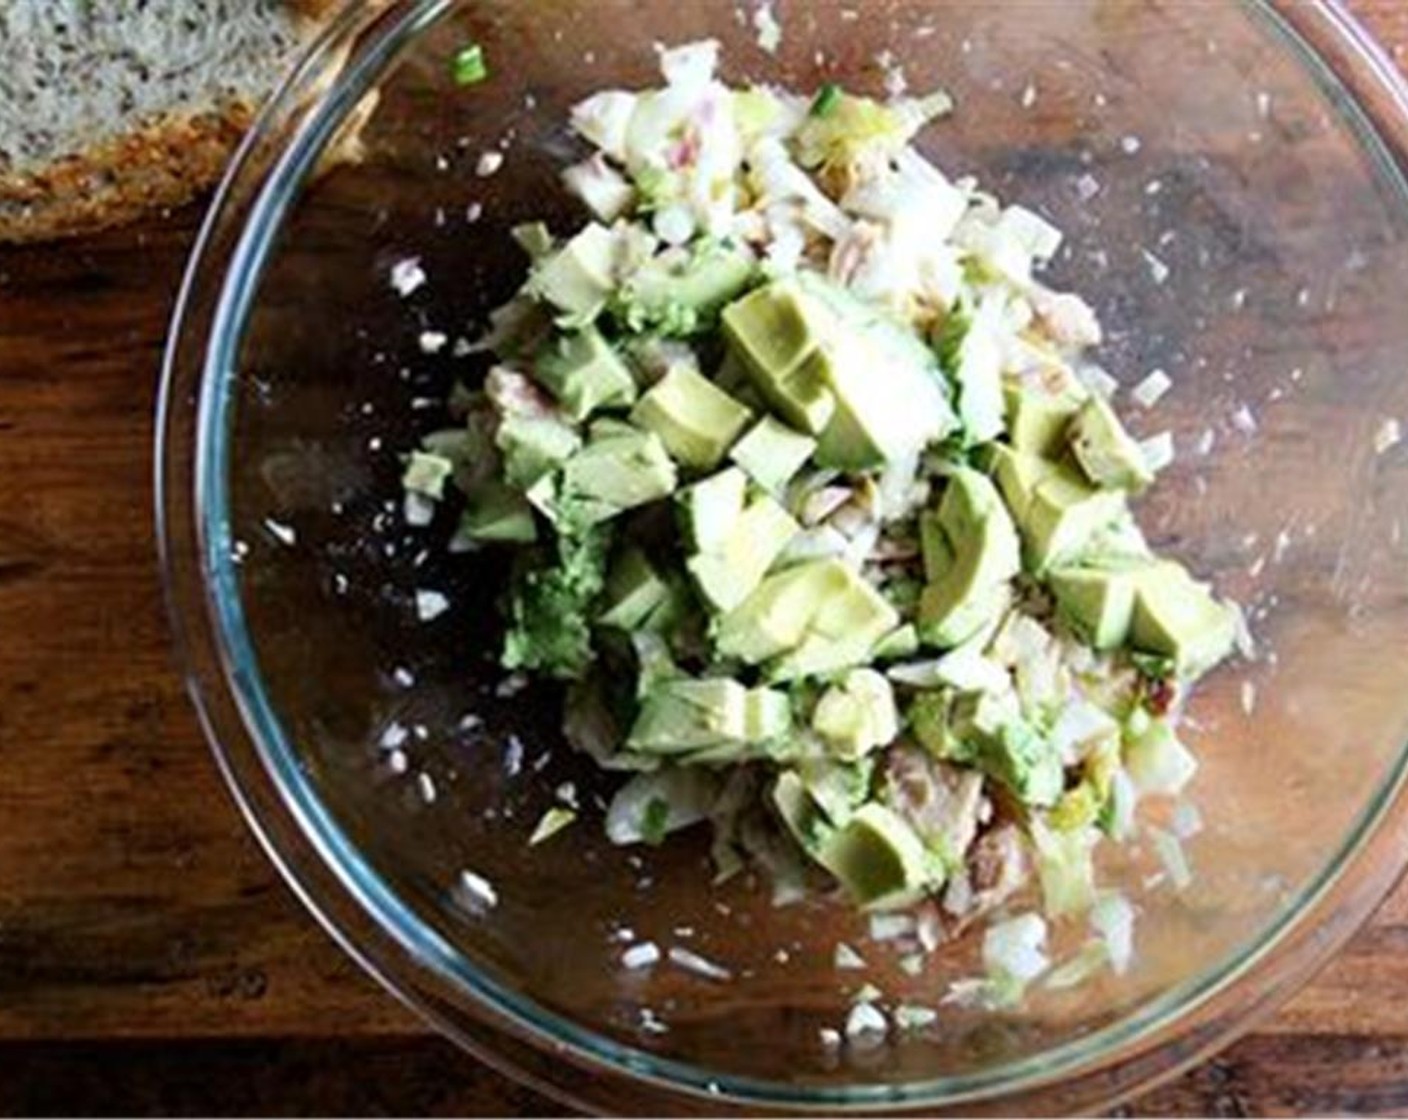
x: 150, y: 959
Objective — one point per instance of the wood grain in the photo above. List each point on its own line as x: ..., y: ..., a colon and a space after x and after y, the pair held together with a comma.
x: 150, y: 960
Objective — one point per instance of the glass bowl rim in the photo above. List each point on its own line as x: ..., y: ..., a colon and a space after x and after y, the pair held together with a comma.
x: 412, y: 961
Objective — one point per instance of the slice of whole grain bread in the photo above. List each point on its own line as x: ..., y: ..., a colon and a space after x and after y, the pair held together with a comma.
x: 109, y: 108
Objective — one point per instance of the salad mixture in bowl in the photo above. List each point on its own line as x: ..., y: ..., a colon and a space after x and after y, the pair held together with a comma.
x: 815, y: 498
x: 726, y: 571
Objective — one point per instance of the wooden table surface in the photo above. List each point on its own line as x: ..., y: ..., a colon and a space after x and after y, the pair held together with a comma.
x: 150, y: 958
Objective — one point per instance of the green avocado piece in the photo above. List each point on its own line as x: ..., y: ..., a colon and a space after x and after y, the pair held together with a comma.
x: 837, y: 788
x: 621, y: 467
x: 799, y: 811
x: 902, y: 641
x: 842, y: 631
x: 710, y: 508
x: 775, y: 617
x: 697, y: 420
x: 771, y: 330
x: 1026, y: 763
x: 933, y: 546
x: 426, y: 473
x: 497, y: 513
x: 1178, y: 618
x: 952, y: 611
x: 584, y: 373
x: 767, y: 714
x: 930, y: 720
x: 971, y: 551
x: 813, y: 618
x: 877, y: 857
x: 578, y: 278
x: 1038, y: 421
x: 1107, y: 454
x: 857, y: 715
x: 756, y: 538
x: 1098, y: 603
x: 1064, y: 516
x: 1018, y: 474
x: 999, y: 741
x: 634, y: 591
x: 864, y: 425
x: 888, y: 387
x: 971, y: 509
x: 686, y: 299
x: 713, y: 720
x: 534, y: 446
x: 772, y: 453
x: 685, y: 715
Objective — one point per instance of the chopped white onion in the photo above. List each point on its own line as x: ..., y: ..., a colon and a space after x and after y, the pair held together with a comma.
x: 1017, y: 947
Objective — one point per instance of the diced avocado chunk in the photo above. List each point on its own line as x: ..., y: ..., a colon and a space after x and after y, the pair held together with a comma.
x: 684, y: 715
x: 952, y: 611
x: 972, y: 511
x: 1177, y: 618
x: 534, y: 446
x: 697, y: 420
x: 887, y: 386
x: 497, y: 513
x: 710, y: 508
x: 726, y: 574
x: 1018, y: 474
x: 534, y: 238
x: 578, y: 278
x: 621, y: 467
x: 775, y: 617
x: 933, y: 546
x: 427, y: 474
x: 971, y: 551
x: 838, y: 788
x: 814, y: 618
x: 841, y: 633
x: 771, y: 331
x: 857, y: 715
x: 1107, y: 454
x: 1025, y: 762
x: 1098, y: 603
x: 866, y: 426
x: 902, y: 641
x: 772, y: 453
x: 877, y: 857
x: 681, y: 716
x: 688, y: 298
x: 992, y: 734
x: 1038, y: 421
x: 799, y: 811
x: 767, y: 714
x: 584, y: 373
x: 1064, y: 516
x: 634, y: 591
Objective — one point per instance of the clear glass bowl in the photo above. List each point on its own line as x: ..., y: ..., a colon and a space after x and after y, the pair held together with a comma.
x: 1228, y: 178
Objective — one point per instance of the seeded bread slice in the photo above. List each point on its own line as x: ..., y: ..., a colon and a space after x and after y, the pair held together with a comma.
x: 110, y: 109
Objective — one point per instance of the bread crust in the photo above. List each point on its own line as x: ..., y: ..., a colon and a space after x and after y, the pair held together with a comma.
x: 163, y: 164
x: 155, y: 164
